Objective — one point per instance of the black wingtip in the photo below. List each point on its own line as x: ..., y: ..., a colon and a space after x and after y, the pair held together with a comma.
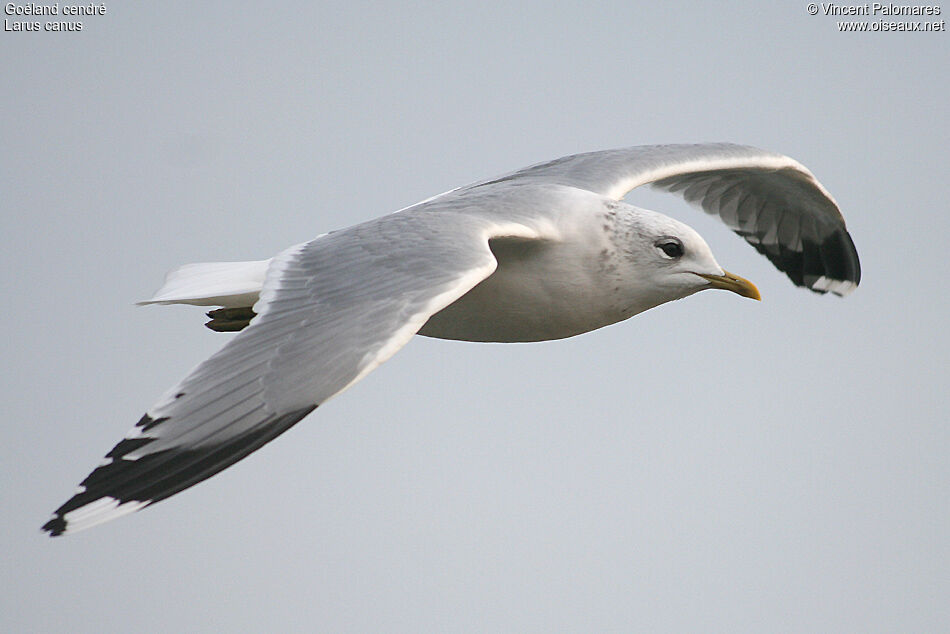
x: 827, y: 266
x: 156, y: 476
x: 55, y: 527
x: 841, y: 257
x: 831, y: 266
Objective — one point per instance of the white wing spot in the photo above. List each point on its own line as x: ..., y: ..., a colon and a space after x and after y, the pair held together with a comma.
x: 102, y: 510
x: 841, y: 287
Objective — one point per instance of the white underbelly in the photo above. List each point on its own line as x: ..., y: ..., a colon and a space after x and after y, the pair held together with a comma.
x: 519, y: 303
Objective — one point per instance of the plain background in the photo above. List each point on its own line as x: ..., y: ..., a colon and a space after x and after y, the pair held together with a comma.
x: 712, y: 465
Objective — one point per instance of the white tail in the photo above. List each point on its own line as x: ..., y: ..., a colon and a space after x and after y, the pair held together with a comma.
x: 227, y: 284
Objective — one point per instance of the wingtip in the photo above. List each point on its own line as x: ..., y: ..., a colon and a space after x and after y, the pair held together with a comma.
x: 55, y: 527
x: 92, y: 513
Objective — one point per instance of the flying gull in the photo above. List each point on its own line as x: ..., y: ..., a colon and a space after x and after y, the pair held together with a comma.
x: 546, y: 252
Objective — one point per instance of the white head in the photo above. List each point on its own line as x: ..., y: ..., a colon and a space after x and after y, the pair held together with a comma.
x: 666, y: 259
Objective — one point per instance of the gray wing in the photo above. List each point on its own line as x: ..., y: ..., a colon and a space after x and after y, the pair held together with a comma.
x: 330, y: 311
x: 771, y: 200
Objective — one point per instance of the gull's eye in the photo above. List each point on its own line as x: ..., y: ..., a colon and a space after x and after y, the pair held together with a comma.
x: 671, y: 247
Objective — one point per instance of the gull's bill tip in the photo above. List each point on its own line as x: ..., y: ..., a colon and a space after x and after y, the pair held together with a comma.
x: 732, y: 282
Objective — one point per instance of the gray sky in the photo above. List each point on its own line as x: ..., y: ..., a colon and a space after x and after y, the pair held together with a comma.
x: 711, y: 465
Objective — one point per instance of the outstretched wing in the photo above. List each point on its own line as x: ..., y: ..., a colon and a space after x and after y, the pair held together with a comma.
x: 330, y: 311
x: 771, y: 200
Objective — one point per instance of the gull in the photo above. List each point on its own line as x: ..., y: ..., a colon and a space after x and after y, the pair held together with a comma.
x: 547, y: 252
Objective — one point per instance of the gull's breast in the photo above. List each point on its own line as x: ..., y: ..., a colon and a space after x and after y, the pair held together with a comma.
x: 540, y: 291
